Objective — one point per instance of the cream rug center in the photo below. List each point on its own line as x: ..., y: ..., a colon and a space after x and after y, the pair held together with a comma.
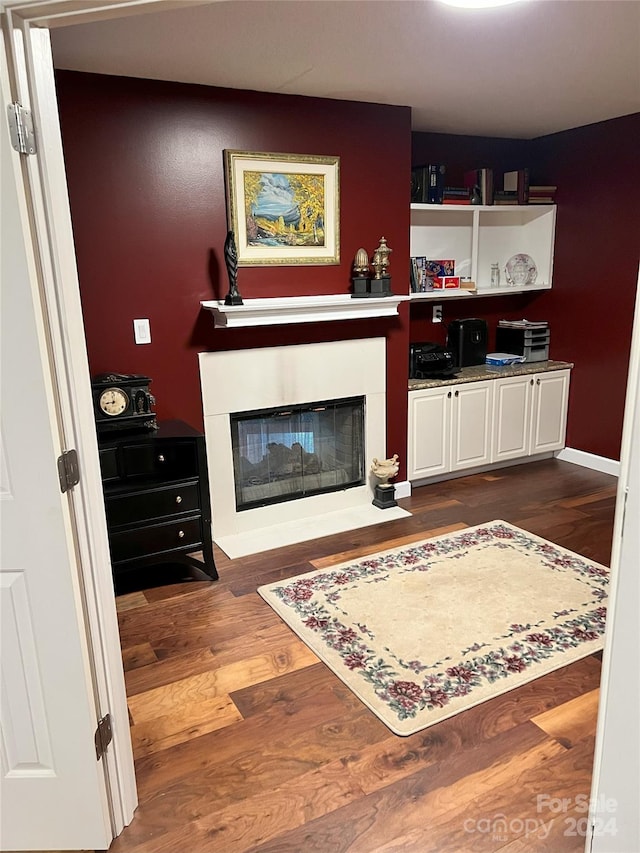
x: 422, y: 632
x: 493, y: 584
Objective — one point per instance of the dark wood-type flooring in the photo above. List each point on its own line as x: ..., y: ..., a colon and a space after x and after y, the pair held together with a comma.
x: 244, y: 741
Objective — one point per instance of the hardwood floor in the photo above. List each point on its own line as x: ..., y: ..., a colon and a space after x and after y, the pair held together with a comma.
x: 244, y: 741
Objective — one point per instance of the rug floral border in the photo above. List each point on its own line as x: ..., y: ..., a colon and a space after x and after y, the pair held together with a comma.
x: 408, y: 688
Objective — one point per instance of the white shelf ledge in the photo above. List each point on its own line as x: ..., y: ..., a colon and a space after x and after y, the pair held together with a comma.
x: 301, y: 309
x: 461, y: 293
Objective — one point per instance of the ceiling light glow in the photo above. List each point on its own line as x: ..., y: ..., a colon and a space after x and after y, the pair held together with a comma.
x: 479, y: 4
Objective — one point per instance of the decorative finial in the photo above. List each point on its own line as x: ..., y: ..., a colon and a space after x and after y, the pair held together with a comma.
x: 380, y: 260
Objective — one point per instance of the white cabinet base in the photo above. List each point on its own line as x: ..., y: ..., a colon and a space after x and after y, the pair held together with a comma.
x: 486, y: 424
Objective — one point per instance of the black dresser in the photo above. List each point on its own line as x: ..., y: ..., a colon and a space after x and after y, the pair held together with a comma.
x: 156, y: 491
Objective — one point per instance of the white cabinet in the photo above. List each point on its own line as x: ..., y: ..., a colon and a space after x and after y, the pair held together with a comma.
x: 512, y: 417
x: 529, y: 414
x: 429, y: 436
x: 449, y: 429
x: 549, y: 415
x: 477, y: 236
x: 471, y: 424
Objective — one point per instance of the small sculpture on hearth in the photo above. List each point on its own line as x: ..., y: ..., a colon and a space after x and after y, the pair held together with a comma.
x: 386, y: 469
x: 385, y: 492
x: 231, y: 260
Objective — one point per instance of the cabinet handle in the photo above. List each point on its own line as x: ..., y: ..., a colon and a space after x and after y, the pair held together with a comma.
x: 178, y: 499
x: 160, y: 457
x: 538, y: 381
x: 531, y: 382
x: 457, y: 392
x: 449, y: 395
x: 180, y: 534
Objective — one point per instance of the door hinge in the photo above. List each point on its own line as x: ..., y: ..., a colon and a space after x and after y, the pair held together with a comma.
x: 23, y: 137
x: 103, y: 736
x: 68, y: 470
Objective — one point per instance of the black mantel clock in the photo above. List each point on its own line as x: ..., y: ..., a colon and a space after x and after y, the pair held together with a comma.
x: 122, y: 401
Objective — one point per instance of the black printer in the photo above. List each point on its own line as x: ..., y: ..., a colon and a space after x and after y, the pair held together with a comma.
x: 430, y: 361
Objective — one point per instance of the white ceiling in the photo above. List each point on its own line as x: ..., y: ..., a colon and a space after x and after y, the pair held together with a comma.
x: 523, y: 71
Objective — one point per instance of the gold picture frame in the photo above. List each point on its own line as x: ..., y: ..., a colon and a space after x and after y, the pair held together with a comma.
x: 283, y: 208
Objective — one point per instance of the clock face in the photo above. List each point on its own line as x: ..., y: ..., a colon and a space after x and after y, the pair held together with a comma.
x: 113, y: 401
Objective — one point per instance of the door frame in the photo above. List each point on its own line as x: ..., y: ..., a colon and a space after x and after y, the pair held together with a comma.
x: 25, y: 29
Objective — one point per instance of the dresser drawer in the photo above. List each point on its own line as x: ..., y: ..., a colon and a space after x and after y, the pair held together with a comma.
x: 153, y: 539
x: 175, y: 460
x: 147, y: 504
x: 109, y: 463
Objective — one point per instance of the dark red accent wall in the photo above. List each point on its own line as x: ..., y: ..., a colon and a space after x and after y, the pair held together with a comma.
x: 597, y: 250
x: 597, y: 253
x: 146, y: 183
x: 145, y: 172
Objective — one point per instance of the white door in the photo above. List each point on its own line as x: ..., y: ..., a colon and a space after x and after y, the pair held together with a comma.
x: 52, y: 786
x: 429, y: 432
x: 471, y: 425
x: 615, y: 792
x: 511, y: 417
x: 549, y: 425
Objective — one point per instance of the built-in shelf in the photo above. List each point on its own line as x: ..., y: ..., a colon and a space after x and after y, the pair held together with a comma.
x: 460, y: 293
x: 476, y: 237
x: 301, y: 309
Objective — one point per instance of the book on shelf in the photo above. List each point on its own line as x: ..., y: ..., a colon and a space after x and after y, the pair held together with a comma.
x: 427, y: 183
x: 505, y: 197
x: 424, y: 273
x: 456, y: 195
x: 435, y: 185
x: 517, y: 181
x: 542, y: 194
x: 420, y: 282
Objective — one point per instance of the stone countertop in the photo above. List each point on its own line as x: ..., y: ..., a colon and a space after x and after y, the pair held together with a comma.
x: 485, y: 371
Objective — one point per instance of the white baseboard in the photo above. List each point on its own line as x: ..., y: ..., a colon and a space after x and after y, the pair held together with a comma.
x: 403, y: 489
x: 590, y: 460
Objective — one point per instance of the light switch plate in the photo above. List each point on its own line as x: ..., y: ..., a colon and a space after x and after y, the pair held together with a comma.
x: 142, y: 331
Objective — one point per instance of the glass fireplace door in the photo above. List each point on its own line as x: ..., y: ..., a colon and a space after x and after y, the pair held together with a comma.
x: 289, y: 453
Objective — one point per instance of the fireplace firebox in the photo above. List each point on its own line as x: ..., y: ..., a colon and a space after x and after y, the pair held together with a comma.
x: 291, y: 452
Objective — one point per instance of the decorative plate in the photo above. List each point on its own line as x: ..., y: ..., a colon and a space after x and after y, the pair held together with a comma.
x: 521, y: 270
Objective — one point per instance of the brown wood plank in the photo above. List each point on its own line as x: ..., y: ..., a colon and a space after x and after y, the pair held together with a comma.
x: 398, y: 542
x: 211, y: 684
x: 138, y: 656
x: 188, y: 721
x: 131, y: 601
x: 571, y: 722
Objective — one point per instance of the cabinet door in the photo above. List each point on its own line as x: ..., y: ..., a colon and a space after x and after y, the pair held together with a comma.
x: 511, y: 417
x: 549, y: 422
x: 429, y: 427
x: 471, y: 425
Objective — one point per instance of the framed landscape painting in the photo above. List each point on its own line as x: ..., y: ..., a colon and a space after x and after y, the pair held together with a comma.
x: 283, y: 208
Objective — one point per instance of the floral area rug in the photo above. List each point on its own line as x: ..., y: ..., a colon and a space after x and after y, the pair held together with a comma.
x: 422, y: 632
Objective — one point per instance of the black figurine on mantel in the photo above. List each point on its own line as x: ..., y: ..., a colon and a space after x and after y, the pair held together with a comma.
x: 231, y: 260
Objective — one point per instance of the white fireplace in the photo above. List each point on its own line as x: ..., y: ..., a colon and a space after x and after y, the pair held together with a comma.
x: 271, y: 377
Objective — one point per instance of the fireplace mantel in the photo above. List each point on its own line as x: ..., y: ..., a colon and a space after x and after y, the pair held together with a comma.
x: 301, y: 309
